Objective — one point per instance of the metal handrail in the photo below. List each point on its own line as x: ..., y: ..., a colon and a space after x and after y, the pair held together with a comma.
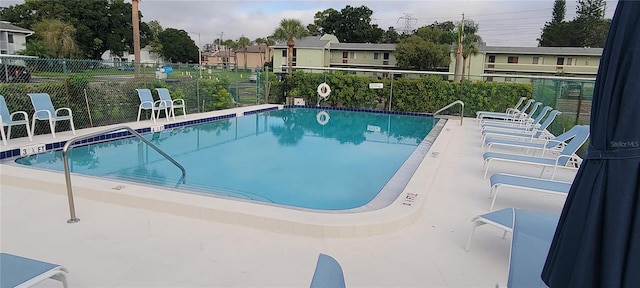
x: 67, y: 174
x: 451, y: 105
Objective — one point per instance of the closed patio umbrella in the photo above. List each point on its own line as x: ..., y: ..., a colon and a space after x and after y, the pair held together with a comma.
x: 597, y: 241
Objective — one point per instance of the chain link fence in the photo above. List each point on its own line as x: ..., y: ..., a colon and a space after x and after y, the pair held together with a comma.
x: 102, y: 93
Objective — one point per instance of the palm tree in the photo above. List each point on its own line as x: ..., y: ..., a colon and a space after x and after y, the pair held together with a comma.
x: 270, y: 42
x: 260, y: 41
x: 244, y: 42
x: 58, y: 37
x: 469, y: 49
x: 288, y: 30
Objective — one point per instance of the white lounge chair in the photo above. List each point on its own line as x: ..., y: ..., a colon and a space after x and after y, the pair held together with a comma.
x: 484, y: 114
x: 509, y: 110
x: 328, y: 273
x: 525, y: 123
x: 147, y: 103
x: 566, y: 157
x: 500, y: 180
x: 16, y: 271
x: 7, y: 119
x: 536, y: 132
x: 44, y: 110
x: 172, y: 104
x: 517, y: 117
x: 551, y: 144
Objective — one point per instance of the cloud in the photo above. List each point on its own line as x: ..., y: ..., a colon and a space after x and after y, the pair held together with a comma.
x: 501, y: 22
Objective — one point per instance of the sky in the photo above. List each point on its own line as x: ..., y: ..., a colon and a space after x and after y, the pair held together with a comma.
x: 511, y: 23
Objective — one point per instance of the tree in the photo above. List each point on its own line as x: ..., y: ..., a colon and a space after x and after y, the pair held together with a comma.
x: 36, y: 48
x: 178, y: 46
x: 244, y: 42
x: 418, y: 52
x: 100, y: 25
x: 58, y: 37
x: 351, y: 24
x: 260, y: 42
x: 154, y: 30
x: 588, y: 29
x: 470, y: 41
x: 287, y: 31
x: 390, y: 36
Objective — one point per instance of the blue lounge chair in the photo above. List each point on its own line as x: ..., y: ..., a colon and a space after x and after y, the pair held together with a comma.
x: 566, y: 157
x: 147, y: 103
x: 172, y: 105
x: 555, y: 144
x: 44, y: 110
x: 7, y: 119
x: 526, y: 123
x: 328, y: 273
x: 509, y: 110
x: 532, y: 235
x: 508, y: 114
x: 502, y: 219
x: 536, y: 132
x: 500, y: 180
x: 16, y: 271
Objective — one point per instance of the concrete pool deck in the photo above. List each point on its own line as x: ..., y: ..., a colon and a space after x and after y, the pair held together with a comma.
x: 120, y: 244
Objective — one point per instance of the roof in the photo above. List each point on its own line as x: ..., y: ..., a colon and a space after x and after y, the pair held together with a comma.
x: 311, y: 42
x: 259, y: 48
x: 364, y: 46
x: 6, y: 26
x: 544, y: 50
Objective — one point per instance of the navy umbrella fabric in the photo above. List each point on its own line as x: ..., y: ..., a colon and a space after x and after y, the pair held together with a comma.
x: 597, y: 241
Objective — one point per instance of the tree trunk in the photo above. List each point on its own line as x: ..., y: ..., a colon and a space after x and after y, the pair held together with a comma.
x: 290, y: 44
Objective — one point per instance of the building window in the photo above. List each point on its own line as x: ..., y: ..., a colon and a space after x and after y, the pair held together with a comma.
x: 535, y: 60
x: 512, y: 60
x: 559, y: 62
x: 385, y: 62
x: 10, y: 38
x: 492, y: 59
x: 345, y: 61
x: 353, y: 55
x: 569, y: 61
x: 284, y: 53
x: 376, y: 55
x: 385, y: 56
x: 345, y: 55
x: 294, y: 58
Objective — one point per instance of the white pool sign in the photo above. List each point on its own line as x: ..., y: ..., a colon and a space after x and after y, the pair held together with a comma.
x: 32, y: 149
x: 376, y: 86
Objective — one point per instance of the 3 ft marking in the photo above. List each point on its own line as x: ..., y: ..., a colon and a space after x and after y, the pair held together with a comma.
x: 157, y: 128
x: 32, y: 149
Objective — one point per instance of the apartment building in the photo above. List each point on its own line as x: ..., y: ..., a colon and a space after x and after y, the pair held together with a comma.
x: 12, y: 38
x: 327, y: 51
x: 530, y: 61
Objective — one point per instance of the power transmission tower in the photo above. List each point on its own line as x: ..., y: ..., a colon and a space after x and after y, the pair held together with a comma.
x: 409, y: 21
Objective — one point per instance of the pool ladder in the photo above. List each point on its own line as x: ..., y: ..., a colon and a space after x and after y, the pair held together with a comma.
x: 72, y: 142
x: 451, y: 105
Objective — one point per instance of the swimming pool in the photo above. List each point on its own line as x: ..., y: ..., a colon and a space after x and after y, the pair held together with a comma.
x: 301, y: 157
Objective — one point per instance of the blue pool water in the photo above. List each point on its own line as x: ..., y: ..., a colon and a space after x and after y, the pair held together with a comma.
x: 300, y: 157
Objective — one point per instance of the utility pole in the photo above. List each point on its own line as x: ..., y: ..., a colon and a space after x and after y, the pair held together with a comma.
x: 459, y: 60
x: 409, y: 20
x: 136, y: 36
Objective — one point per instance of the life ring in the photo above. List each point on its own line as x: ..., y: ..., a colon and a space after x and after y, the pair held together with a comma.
x: 322, y: 117
x: 324, y: 90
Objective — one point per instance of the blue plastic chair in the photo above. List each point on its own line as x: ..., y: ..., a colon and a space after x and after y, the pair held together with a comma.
x: 16, y: 271
x: 527, y: 132
x: 7, y: 119
x: 529, y: 123
x: 147, y: 103
x: 328, y: 273
x: 44, y: 110
x: 172, y: 105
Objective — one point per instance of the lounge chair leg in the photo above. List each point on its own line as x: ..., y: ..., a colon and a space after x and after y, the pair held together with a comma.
x: 139, y: 110
x: 495, y: 196
x: 4, y: 139
x: 473, y: 229
x: 33, y: 125
x: 73, y: 128
x: 52, y: 126
x: 29, y: 132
